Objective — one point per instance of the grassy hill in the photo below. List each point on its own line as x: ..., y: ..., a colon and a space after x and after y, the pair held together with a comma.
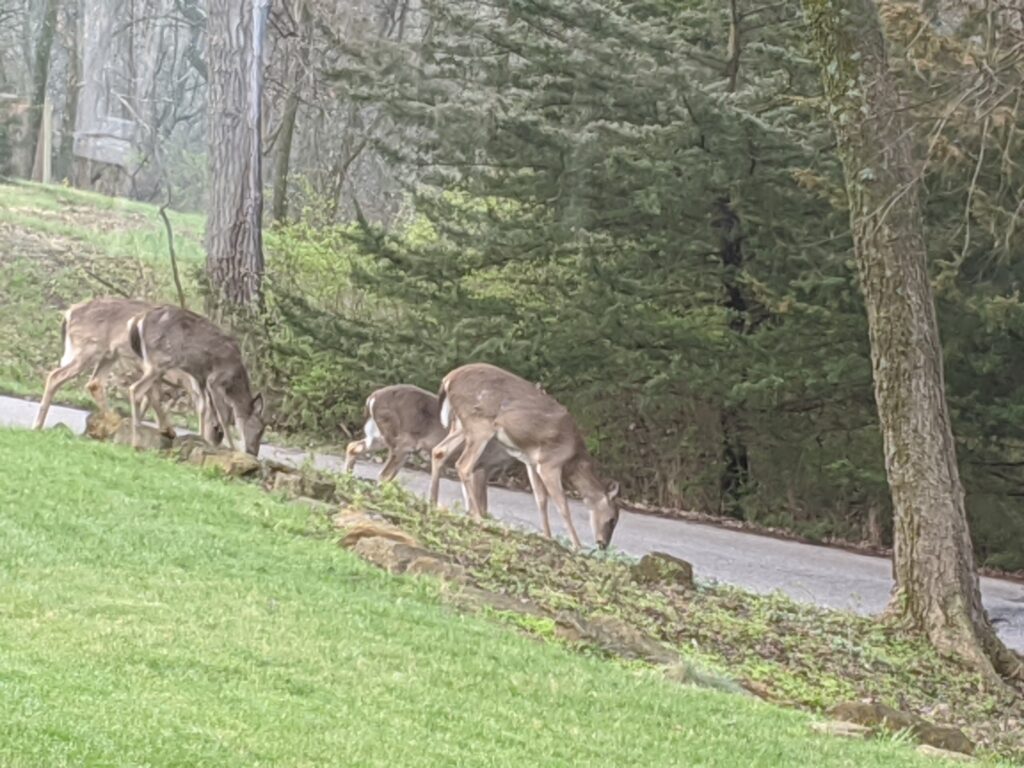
x: 153, y: 615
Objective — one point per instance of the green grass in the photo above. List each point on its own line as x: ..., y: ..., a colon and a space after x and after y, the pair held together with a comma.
x: 151, y: 615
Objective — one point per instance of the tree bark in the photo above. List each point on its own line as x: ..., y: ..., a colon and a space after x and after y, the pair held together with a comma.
x: 234, y: 239
x: 937, y: 589
x: 291, y: 108
x: 65, y: 154
x: 41, y: 76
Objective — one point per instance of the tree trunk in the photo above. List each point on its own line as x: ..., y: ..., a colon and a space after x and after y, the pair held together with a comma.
x: 41, y: 77
x: 937, y: 589
x: 291, y: 109
x: 65, y: 154
x: 234, y: 240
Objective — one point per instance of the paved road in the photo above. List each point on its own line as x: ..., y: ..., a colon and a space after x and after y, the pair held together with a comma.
x: 821, y: 575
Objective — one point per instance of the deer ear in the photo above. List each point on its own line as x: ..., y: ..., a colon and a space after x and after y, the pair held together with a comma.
x: 257, y: 405
x: 613, y: 490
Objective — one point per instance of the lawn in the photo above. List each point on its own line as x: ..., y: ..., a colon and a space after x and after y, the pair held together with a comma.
x: 153, y: 615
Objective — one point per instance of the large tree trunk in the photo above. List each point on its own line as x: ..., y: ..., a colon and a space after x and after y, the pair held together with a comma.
x: 291, y: 108
x: 41, y: 76
x: 234, y: 240
x: 937, y: 589
x: 72, y: 43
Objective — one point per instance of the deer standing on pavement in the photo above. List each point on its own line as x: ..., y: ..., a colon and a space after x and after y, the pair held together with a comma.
x: 483, y: 402
x: 168, y: 338
x: 405, y: 419
x: 95, y: 336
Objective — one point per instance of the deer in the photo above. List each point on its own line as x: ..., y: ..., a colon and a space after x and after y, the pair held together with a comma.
x: 482, y: 402
x: 169, y: 338
x: 405, y: 419
x: 94, y: 334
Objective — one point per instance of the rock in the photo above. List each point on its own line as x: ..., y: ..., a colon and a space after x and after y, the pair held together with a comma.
x: 102, y: 426
x: 232, y: 463
x: 371, y: 529
x: 473, y: 598
x: 662, y: 568
x: 874, y: 714
x: 929, y: 751
x: 63, y: 429
x: 841, y: 728
x: 149, y: 438
x: 288, y: 483
x: 185, y: 445
x: 318, y: 488
x: 393, y: 556
x: 438, y: 568
x: 944, y: 738
x: 296, y: 484
x: 615, y: 636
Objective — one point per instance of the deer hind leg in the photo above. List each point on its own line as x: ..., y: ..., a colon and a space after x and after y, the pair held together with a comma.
x: 466, y: 466
x: 540, y: 495
x: 479, y: 490
x: 136, y: 393
x: 396, y: 458
x: 352, y: 451
x: 551, y: 477
x: 97, y: 384
x: 439, y: 456
x: 58, y: 377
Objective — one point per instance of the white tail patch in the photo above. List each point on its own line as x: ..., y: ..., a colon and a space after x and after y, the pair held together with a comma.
x: 446, y: 413
x: 142, y: 341
x: 69, y: 350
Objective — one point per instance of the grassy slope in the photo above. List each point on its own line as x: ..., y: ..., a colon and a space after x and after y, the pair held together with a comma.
x: 150, y: 615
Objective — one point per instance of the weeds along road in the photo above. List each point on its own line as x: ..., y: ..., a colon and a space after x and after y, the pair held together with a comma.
x: 824, y: 576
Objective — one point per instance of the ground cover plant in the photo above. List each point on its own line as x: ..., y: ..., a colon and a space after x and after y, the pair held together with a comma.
x: 154, y: 614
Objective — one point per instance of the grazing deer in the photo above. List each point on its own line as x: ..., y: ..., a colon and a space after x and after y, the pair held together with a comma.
x: 95, y: 335
x: 483, y: 402
x: 405, y: 419
x: 168, y: 338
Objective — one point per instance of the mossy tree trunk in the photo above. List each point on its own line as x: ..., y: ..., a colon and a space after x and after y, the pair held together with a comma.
x: 937, y: 587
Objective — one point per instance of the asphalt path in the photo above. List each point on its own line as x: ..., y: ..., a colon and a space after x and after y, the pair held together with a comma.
x: 824, y: 576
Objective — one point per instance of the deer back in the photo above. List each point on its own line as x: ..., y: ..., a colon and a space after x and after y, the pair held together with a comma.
x: 406, y: 410
x: 527, y: 416
x: 100, y: 325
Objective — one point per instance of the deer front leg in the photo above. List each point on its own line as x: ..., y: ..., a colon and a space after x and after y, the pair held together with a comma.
x: 352, y: 451
x: 223, y: 411
x: 552, y: 479
x: 439, y: 457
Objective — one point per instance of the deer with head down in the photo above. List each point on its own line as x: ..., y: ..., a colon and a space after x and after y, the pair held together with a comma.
x: 484, y: 403
x: 95, y: 337
x: 168, y: 338
x: 405, y: 419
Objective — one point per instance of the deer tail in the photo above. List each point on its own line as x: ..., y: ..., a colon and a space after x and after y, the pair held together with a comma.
x: 134, y: 336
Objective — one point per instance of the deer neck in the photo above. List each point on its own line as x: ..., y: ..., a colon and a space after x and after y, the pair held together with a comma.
x: 580, y: 474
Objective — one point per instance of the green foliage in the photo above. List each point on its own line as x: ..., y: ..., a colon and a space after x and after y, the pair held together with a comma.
x: 176, y: 619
